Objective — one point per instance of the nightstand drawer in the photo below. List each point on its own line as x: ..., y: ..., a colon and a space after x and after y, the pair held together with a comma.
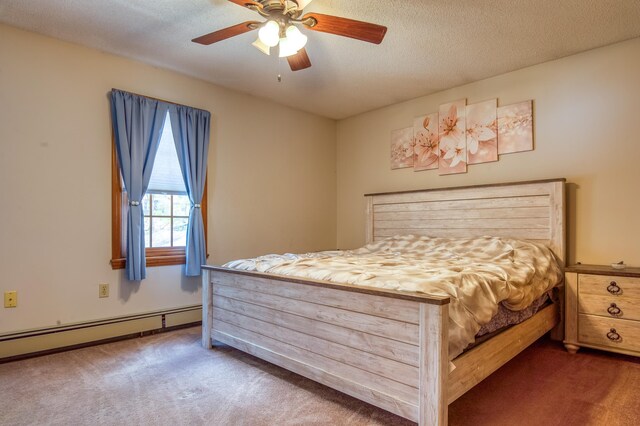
x: 610, y: 306
x: 614, y: 333
x: 604, y: 285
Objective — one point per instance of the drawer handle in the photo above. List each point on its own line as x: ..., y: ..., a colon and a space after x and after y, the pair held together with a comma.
x: 613, y: 335
x: 613, y: 288
x: 614, y: 310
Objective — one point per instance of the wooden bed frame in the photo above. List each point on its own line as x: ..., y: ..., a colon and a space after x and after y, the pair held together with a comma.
x: 388, y: 348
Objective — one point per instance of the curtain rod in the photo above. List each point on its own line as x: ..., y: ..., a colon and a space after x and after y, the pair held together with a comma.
x: 159, y: 100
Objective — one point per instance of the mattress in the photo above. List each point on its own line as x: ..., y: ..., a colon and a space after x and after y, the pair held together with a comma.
x: 478, y: 274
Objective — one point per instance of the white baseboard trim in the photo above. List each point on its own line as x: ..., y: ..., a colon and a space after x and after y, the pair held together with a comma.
x: 43, y: 340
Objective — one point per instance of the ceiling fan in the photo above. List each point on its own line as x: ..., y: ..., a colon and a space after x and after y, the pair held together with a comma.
x: 281, y: 29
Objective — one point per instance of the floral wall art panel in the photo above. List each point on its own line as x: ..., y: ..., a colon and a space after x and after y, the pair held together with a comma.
x: 402, y: 148
x: 453, y: 143
x: 515, y: 128
x: 425, y: 137
x: 482, y: 132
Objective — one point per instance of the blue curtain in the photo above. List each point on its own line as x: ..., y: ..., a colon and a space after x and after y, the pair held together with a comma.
x: 137, y: 126
x: 191, y: 129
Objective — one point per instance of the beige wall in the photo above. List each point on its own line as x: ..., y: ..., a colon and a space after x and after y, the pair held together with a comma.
x: 586, y: 117
x: 272, y: 180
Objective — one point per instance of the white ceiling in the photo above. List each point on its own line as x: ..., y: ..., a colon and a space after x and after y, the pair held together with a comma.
x: 431, y: 45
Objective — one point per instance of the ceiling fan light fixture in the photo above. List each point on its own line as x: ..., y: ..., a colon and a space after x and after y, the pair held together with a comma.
x: 269, y: 34
x: 295, y: 37
x: 287, y: 48
x: 258, y: 44
x: 281, y: 26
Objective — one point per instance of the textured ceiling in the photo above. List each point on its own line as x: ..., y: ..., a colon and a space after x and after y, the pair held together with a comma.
x: 431, y: 45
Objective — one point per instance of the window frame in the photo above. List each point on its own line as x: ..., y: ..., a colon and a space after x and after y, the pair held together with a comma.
x: 159, y: 256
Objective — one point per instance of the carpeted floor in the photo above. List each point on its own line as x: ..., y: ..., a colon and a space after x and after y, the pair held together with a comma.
x: 168, y: 379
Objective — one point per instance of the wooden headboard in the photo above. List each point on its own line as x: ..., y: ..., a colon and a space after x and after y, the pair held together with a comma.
x: 533, y: 210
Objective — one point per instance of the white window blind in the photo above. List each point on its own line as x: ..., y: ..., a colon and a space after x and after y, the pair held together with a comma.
x: 166, y: 176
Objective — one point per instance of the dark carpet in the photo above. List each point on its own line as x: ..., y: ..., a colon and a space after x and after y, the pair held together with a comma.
x: 168, y: 379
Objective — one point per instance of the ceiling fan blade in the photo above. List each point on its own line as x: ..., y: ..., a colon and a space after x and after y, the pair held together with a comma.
x: 299, y: 61
x: 359, y: 30
x: 226, y: 33
x: 247, y: 3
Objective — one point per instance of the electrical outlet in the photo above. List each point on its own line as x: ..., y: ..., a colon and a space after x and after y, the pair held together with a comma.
x: 103, y: 290
x: 10, y: 299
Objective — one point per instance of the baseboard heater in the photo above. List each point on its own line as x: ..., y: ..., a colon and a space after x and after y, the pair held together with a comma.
x: 46, y: 340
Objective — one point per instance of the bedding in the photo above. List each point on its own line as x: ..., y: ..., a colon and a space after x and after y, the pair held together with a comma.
x: 505, y: 317
x: 478, y: 274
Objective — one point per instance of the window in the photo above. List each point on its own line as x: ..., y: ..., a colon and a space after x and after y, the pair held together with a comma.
x: 165, y: 207
x: 165, y: 219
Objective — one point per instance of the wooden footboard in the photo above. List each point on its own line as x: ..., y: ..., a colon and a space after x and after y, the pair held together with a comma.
x: 384, y: 347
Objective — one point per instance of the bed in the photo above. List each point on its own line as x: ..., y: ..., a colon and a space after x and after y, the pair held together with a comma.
x: 388, y: 347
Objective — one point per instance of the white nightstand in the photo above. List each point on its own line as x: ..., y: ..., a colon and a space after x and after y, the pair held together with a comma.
x: 602, y: 309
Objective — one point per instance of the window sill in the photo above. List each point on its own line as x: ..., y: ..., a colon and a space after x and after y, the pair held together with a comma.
x: 166, y: 260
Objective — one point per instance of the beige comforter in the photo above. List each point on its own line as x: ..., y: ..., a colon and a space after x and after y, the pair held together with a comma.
x: 478, y: 273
